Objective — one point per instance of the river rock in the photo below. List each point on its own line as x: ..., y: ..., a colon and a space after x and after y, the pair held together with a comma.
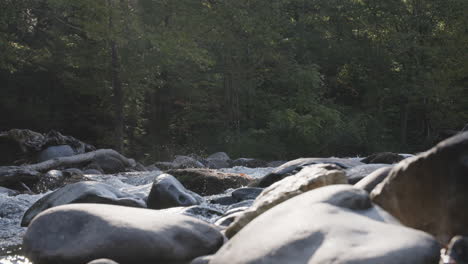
x: 369, y: 182
x: 209, y: 182
x: 309, y: 178
x: 81, y: 192
x: 334, y: 224
x: 55, y: 152
x: 358, y: 173
x: 383, y: 157
x: 247, y: 193
x: 168, y: 192
x: 429, y: 191
x: 224, y: 200
x: 294, y: 166
x: 79, y: 233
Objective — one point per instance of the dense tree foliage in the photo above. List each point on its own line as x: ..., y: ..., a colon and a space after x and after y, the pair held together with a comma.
x: 261, y: 78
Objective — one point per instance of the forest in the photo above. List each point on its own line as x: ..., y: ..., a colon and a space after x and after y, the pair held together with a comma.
x: 271, y: 79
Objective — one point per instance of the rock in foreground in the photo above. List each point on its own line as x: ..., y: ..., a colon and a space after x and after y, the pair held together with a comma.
x: 309, y: 178
x: 334, y: 224
x: 79, y: 233
x: 81, y: 192
x: 429, y: 191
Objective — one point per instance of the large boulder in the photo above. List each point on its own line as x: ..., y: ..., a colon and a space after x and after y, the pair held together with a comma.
x: 358, y: 173
x: 309, y: 178
x: 334, y: 224
x: 429, y: 191
x: 80, y: 233
x: 294, y: 166
x: 53, y: 152
x: 81, y: 192
x: 383, y: 158
x: 209, y: 182
x: 168, y: 192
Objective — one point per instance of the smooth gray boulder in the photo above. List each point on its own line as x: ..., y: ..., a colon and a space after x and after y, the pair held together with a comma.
x: 168, y: 192
x: 334, y: 224
x: 429, y: 191
x: 81, y: 192
x: 369, y: 182
x: 294, y: 166
x: 79, y: 233
x: 358, y: 173
x: 53, y: 152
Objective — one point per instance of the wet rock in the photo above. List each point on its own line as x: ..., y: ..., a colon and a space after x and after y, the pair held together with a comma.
x: 217, y: 164
x: 209, y: 182
x: 250, y: 163
x: 333, y: 224
x: 369, y: 182
x: 80, y: 233
x: 81, y: 192
x: 276, y: 163
x: 428, y: 191
x: 358, y: 173
x: 383, y: 157
x: 55, y: 152
x: 309, y: 178
x: 168, y: 192
x: 247, y: 193
x: 92, y: 171
x: 294, y: 166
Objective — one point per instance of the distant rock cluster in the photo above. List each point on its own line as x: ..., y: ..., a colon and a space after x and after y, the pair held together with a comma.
x: 386, y: 208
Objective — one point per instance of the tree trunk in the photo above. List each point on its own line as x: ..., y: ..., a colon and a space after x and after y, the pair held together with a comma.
x: 118, y: 101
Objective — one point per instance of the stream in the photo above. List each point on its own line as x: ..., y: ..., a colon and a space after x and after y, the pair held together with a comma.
x: 12, y: 208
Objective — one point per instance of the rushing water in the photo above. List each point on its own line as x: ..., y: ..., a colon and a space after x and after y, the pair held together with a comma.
x: 12, y: 208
